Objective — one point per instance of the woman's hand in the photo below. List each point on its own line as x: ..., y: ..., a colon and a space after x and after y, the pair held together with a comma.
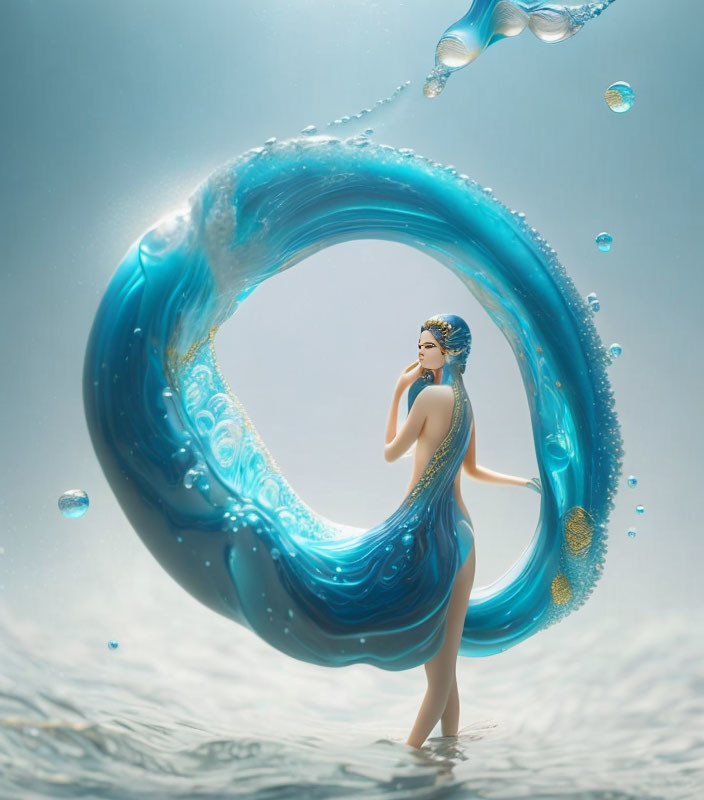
x: 408, y: 377
x: 535, y: 485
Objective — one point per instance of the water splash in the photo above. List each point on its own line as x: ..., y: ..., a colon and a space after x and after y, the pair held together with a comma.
x: 364, y: 114
x: 489, y: 21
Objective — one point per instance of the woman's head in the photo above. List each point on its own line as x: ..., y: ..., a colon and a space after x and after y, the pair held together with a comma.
x: 453, y: 338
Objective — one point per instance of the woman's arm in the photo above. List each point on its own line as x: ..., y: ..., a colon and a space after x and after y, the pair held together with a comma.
x: 396, y: 445
x: 472, y: 469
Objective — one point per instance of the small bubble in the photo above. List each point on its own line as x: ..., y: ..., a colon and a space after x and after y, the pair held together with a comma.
x: 407, y: 539
x: 604, y: 241
x: 290, y: 613
x: 362, y: 640
x: 619, y: 97
x: 615, y: 350
x: 632, y: 481
x: 640, y: 509
x: 632, y: 532
x: 179, y: 539
x: 73, y: 503
x: 112, y: 644
x: 275, y: 554
x: 309, y: 130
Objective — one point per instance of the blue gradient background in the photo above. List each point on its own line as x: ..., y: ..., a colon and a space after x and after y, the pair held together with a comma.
x: 113, y: 112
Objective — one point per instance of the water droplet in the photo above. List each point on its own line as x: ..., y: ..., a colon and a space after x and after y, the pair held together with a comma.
x: 640, y: 509
x: 604, y: 241
x: 619, y: 97
x: 112, y: 644
x: 632, y: 481
x: 407, y: 539
x: 338, y: 569
x: 73, y: 503
x: 615, y: 350
x: 632, y: 532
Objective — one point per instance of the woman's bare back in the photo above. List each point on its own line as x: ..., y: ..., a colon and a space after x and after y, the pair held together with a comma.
x: 435, y: 429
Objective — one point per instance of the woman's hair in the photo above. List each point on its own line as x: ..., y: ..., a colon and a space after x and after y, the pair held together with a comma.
x: 453, y: 335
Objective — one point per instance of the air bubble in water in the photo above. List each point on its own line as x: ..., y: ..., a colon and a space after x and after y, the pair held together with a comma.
x: 604, y: 241
x: 73, y: 503
x: 619, y: 97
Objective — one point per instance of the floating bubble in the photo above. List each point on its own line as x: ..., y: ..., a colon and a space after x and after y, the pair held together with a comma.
x: 112, y: 644
x: 309, y: 130
x: 615, y: 350
x: 632, y: 532
x: 604, y: 241
x: 619, y: 97
x: 73, y: 503
x: 632, y: 481
x: 407, y: 539
x: 640, y: 509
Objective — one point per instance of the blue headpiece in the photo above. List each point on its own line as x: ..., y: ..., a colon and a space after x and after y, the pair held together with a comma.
x: 453, y: 335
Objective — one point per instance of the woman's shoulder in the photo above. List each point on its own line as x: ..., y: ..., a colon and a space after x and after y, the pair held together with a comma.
x: 439, y: 393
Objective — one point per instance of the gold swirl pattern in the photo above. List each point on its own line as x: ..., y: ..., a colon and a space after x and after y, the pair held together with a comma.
x: 579, y: 530
x: 561, y: 589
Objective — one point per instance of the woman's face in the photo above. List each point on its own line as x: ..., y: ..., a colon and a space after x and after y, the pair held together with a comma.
x: 430, y: 353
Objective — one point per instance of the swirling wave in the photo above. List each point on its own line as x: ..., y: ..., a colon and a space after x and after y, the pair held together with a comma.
x: 199, y: 485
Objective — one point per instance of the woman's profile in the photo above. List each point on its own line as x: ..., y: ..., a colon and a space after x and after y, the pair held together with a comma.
x: 441, y: 424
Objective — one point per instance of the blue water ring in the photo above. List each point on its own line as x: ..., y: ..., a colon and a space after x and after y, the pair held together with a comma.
x: 189, y: 469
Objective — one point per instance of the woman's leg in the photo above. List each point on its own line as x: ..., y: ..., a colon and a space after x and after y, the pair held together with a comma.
x: 450, y: 719
x: 440, y: 669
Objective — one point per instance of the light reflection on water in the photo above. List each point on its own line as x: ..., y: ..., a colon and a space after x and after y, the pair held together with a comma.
x: 180, y: 710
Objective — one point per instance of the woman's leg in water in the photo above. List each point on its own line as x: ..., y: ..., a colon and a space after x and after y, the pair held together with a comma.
x: 450, y: 719
x: 440, y: 669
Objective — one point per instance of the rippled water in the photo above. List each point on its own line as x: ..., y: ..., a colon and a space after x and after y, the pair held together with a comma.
x: 208, y: 710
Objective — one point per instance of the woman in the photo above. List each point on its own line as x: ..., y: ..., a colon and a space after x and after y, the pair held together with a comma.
x: 440, y: 421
